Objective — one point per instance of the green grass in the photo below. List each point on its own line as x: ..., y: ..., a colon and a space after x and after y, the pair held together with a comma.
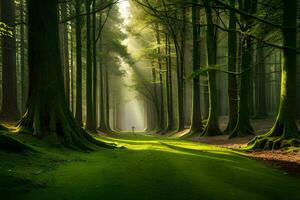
x: 149, y: 168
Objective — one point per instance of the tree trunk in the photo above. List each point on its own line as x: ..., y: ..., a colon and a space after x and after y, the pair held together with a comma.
x: 90, y: 121
x: 22, y: 58
x: 9, y: 110
x: 95, y: 71
x: 170, y: 124
x: 243, y: 126
x: 156, y: 101
x: 161, y: 87
x: 65, y: 41
x: 47, y: 114
x: 78, y: 114
x: 212, y: 125
x: 196, y: 126
x: 232, y: 65
x: 285, y: 132
x: 103, y: 125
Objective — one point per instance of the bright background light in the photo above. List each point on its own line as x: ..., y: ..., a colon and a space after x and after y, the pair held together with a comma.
x: 132, y: 110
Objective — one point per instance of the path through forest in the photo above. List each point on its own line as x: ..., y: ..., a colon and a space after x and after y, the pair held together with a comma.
x: 150, y: 167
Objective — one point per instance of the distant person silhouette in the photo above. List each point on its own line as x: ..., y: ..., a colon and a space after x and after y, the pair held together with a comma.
x: 132, y: 128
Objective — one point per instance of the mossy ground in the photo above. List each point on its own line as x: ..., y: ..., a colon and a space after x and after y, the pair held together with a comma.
x: 149, y: 168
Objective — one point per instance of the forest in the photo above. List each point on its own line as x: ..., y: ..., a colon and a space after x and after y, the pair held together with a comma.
x: 150, y: 99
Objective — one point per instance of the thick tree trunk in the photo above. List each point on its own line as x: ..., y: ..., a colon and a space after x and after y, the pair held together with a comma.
x: 285, y: 132
x: 232, y: 65
x: 196, y: 126
x: 212, y: 125
x: 47, y: 114
x: 9, y: 110
x: 78, y: 114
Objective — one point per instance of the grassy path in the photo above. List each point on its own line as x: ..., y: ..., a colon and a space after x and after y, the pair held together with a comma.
x: 149, y: 168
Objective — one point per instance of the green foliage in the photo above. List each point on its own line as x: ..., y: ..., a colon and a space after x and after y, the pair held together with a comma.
x: 5, y: 30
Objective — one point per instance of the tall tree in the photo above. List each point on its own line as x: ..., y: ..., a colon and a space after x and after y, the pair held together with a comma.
x: 90, y: 115
x: 232, y: 66
x: 243, y: 125
x: 78, y: 114
x: 102, y: 124
x: 196, y: 126
x: 9, y: 109
x: 22, y: 58
x: 212, y: 125
x: 65, y: 49
x: 285, y: 131
x: 161, y: 87
x: 170, y: 111
x: 95, y: 66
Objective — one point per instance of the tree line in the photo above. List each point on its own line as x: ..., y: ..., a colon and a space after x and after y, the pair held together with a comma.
x: 60, y: 67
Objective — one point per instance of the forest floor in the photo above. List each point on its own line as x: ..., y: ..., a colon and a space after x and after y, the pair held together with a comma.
x: 149, y: 167
x: 287, y: 160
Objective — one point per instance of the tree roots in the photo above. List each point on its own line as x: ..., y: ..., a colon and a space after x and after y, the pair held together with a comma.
x: 284, y: 134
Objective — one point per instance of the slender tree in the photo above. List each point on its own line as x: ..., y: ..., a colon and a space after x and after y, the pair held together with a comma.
x: 65, y: 50
x: 22, y: 58
x: 212, y: 125
x: 170, y: 124
x: 90, y: 115
x: 78, y: 114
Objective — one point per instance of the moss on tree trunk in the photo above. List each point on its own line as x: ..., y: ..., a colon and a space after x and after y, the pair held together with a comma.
x: 285, y: 132
x: 47, y: 114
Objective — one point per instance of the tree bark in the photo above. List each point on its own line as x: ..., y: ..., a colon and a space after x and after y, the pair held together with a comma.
x: 66, y: 64
x: 232, y: 66
x: 22, y: 59
x: 196, y: 126
x: 78, y: 114
x: 90, y: 121
x: 212, y: 125
x: 161, y: 87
